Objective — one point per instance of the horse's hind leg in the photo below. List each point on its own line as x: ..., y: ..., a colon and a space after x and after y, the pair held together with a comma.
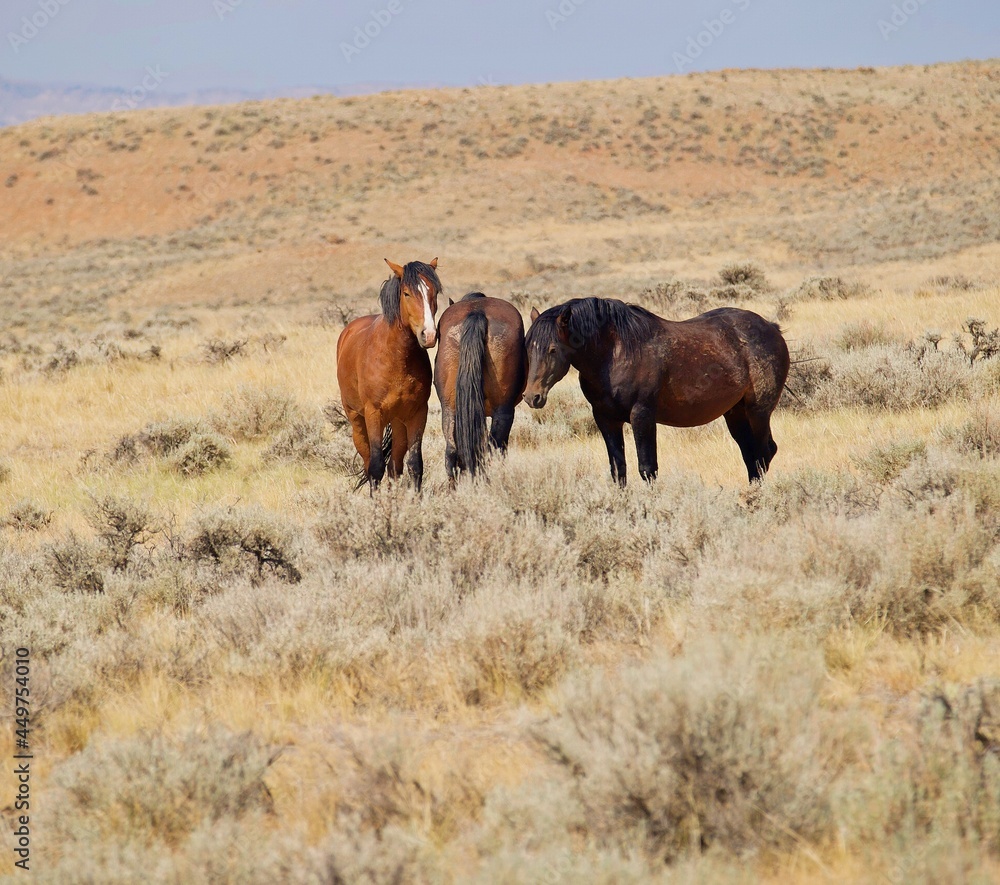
x: 761, y: 425
x: 503, y: 420
x: 399, y: 447
x: 752, y: 432
x: 375, y: 466
x: 360, y: 434
x: 450, y: 450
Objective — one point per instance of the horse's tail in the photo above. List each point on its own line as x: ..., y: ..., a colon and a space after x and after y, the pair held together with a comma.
x: 362, y: 475
x: 470, y: 409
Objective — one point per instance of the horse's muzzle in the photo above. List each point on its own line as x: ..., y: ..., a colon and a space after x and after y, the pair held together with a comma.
x: 535, y: 400
x: 427, y: 339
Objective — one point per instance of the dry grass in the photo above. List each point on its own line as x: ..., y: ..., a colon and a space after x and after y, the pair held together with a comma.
x: 243, y: 671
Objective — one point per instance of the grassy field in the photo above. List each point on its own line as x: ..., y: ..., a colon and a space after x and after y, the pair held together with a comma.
x: 242, y: 670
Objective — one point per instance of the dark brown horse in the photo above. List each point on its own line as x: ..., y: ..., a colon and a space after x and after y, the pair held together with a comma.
x: 479, y: 372
x: 638, y: 368
x: 385, y: 374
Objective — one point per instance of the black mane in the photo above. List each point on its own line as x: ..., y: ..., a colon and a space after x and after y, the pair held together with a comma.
x: 388, y: 297
x: 633, y: 324
x: 472, y: 296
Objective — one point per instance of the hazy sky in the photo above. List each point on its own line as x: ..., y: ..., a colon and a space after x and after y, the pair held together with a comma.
x: 282, y: 44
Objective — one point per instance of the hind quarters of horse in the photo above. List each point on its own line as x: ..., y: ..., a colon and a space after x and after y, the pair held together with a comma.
x: 479, y: 373
x: 640, y: 369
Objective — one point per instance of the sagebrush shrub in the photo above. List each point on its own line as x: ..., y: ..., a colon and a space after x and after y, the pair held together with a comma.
x: 202, y: 453
x: 252, y: 413
x: 121, y: 525
x: 158, y: 439
x: 831, y: 289
x: 75, y: 565
x: 980, y: 434
x: 863, y: 334
x: 744, y: 273
x: 166, y: 437
x: 938, y: 571
x: 521, y: 658
x: 717, y: 749
x: 932, y: 799
x: 354, y: 853
x: 218, y: 351
x: 884, y: 463
x: 154, y: 787
x: 303, y: 442
x: 894, y: 378
x: 247, y: 541
x: 27, y: 516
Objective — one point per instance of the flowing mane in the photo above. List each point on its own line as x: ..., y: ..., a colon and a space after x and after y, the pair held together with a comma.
x: 587, y: 316
x: 392, y: 288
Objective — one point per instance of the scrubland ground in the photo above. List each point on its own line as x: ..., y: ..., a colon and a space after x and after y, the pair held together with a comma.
x: 244, y: 671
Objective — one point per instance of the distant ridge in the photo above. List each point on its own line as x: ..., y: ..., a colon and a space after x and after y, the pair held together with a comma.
x: 22, y: 101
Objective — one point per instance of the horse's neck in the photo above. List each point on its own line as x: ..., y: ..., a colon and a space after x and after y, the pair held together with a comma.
x: 399, y: 334
x: 588, y: 359
x: 396, y: 329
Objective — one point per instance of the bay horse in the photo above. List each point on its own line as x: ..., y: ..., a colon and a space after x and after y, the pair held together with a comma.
x: 385, y: 374
x: 641, y: 369
x: 479, y: 372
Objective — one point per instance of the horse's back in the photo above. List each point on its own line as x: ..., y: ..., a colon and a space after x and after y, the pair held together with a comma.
x: 504, y: 321
x: 740, y: 328
x: 701, y: 367
x: 355, y: 330
x: 756, y: 341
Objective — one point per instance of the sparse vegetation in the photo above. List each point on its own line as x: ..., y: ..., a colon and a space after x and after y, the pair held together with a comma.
x: 244, y: 670
x: 744, y: 274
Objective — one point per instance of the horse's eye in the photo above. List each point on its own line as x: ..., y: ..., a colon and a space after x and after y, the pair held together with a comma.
x: 552, y: 348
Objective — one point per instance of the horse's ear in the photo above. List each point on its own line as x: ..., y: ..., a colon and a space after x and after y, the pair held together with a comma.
x: 434, y: 264
x: 562, y: 324
x: 450, y: 302
x: 395, y: 268
x: 534, y: 314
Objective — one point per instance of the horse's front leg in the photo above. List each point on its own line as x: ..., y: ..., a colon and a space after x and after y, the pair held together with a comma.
x: 614, y: 439
x: 360, y: 433
x: 643, y: 421
x: 415, y: 436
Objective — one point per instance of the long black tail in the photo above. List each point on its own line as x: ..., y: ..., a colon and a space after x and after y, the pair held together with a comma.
x: 470, y: 410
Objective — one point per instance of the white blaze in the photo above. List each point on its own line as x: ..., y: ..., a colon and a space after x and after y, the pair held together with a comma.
x: 425, y: 292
